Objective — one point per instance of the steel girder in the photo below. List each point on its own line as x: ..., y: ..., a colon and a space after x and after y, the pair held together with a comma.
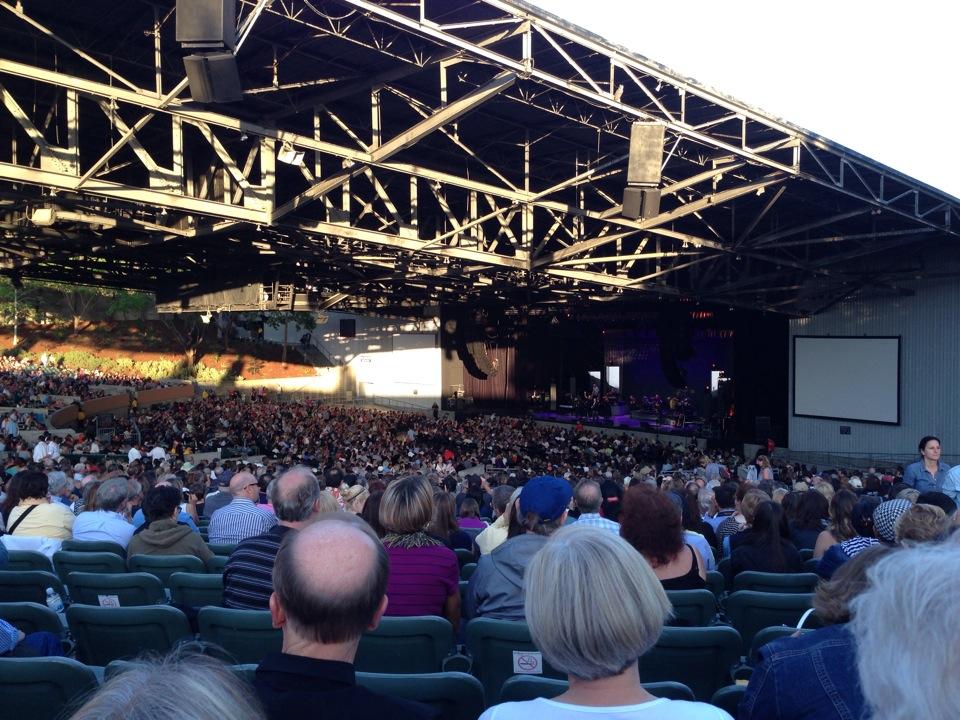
x: 421, y: 152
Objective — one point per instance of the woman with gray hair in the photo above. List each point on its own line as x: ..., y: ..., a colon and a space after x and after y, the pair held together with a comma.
x: 193, y: 687
x: 594, y: 606
x: 906, y: 626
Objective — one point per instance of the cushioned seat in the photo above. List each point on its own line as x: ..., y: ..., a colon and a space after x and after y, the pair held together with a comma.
x: 43, y: 688
x: 698, y: 657
x: 406, y: 644
x: 776, y: 582
x: 109, y: 589
x: 94, y: 546
x: 246, y: 635
x: 104, y: 634
x: 196, y: 589
x: 163, y: 566
x: 29, y: 586
x: 692, y: 608
x: 68, y: 561
x: 29, y: 617
x: 751, y: 611
x: 28, y: 560
x: 456, y: 695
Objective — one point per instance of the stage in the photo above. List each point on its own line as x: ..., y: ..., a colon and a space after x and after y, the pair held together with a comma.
x: 625, y: 422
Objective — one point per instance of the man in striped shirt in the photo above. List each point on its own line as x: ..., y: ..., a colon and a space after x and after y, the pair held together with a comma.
x: 588, y: 498
x: 248, y: 576
x: 241, y: 518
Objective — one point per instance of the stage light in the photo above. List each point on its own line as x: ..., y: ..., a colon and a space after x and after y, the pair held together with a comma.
x: 290, y: 156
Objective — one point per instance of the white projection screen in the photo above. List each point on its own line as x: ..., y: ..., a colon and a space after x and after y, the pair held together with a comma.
x: 847, y: 378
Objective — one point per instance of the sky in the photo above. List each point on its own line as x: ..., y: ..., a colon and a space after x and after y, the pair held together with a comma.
x: 878, y: 77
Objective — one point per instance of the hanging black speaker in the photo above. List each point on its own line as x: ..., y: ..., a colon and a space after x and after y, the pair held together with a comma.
x: 207, y: 23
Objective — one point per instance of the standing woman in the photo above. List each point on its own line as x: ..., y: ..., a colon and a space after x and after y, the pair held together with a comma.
x: 929, y: 472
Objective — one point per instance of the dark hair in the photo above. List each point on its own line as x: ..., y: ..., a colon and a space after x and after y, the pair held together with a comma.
x: 841, y: 515
x: 942, y: 501
x: 925, y: 439
x: 444, y: 519
x: 13, y: 495
x: 812, y: 509
x: 769, y: 529
x: 469, y: 508
x: 651, y: 522
x: 862, y: 515
x: 159, y: 502
x: 33, y: 484
x: 790, y: 504
x: 371, y: 512
x: 329, y: 617
x: 726, y: 495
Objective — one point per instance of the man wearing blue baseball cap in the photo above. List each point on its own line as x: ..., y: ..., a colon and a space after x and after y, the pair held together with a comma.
x: 496, y: 587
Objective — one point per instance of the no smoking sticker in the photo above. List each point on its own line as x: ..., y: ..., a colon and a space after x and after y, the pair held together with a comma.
x: 526, y: 662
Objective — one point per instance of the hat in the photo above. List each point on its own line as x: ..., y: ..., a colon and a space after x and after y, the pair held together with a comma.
x: 547, y: 496
x: 885, y: 518
x: 856, y: 482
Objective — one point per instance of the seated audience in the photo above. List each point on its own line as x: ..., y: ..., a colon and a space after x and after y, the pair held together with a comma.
x: 841, y: 522
x: 906, y: 628
x: 329, y: 584
x: 354, y: 498
x: 371, y: 511
x: 875, y: 521
x: 194, y: 687
x: 504, y: 497
x: 748, y: 507
x: 444, y: 523
x: 248, y: 575
x: 588, y: 498
x: 812, y: 510
x: 496, y: 586
x: 767, y: 548
x: 651, y: 523
x: 109, y: 521
x: 813, y: 676
x: 470, y: 514
x: 241, y: 518
x: 596, y: 637
x: 424, y: 573
x: 921, y: 523
x: 163, y: 534
x: 188, y: 505
x: 35, y: 515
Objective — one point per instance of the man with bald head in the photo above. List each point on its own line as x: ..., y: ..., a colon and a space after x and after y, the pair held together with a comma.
x: 329, y: 580
x: 241, y: 518
x: 588, y: 497
x: 247, y: 577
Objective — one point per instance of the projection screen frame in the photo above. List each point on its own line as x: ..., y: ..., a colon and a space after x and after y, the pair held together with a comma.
x: 793, y: 378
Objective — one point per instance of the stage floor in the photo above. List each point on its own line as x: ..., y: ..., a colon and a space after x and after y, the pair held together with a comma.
x: 621, y: 421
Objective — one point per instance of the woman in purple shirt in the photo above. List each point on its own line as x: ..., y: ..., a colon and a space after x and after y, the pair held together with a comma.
x: 424, y: 573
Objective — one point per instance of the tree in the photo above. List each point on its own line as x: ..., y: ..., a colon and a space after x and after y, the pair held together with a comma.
x: 188, y: 330
x: 79, y: 300
x: 306, y: 320
x: 126, y: 302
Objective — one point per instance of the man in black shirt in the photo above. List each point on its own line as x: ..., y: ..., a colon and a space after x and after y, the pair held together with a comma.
x: 329, y: 580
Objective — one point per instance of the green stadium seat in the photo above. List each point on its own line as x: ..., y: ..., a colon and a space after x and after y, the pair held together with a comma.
x: 28, y: 560
x: 456, y: 695
x: 246, y: 635
x: 216, y: 564
x: 29, y: 586
x: 726, y: 570
x: 110, y: 589
x: 29, y: 617
x: 94, y: 546
x: 225, y: 550
x: 728, y: 698
x: 491, y: 644
x: 196, y: 589
x: 692, y: 608
x: 768, y: 635
x: 751, y: 611
x: 776, y: 582
x: 68, y: 561
x: 716, y: 583
x: 43, y: 688
x: 163, y: 566
x: 104, y: 634
x: 412, y: 645
x: 698, y: 657
x: 467, y: 570
x: 464, y: 556
x: 811, y: 565
x: 806, y: 554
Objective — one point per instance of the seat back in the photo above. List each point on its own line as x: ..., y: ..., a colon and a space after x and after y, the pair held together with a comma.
x: 716, y: 583
x: 776, y: 582
x: 224, y: 550
x: 104, y: 634
x: 752, y: 611
x: 811, y: 565
x: 728, y: 698
x: 94, y: 546
x: 196, y: 589
x: 698, y: 657
x: 28, y: 560
x: 726, y: 570
x: 29, y: 617
x: 407, y: 645
x: 467, y: 570
x: 163, y: 566
x: 29, y: 586
x: 692, y: 608
x: 768, y: 635
x: 114, y: 590
x: 530, y: 687
x: 464, y: 556
x: 246, y: 635
x: 43, y: 688
x: 495, y: 646
x: 216, y: 564
x: 68, y: 561
x: 806, y: 554
x: 456, y: 695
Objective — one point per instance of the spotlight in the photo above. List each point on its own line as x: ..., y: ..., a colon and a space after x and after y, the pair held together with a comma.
x: 290, y: 156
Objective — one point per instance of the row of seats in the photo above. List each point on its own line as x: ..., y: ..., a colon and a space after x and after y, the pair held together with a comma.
x: 48, y: 688
x: 700, y: 657
x: 66, y: 561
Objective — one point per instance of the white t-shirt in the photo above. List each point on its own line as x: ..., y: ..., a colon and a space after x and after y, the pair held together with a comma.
x: 659, y: 709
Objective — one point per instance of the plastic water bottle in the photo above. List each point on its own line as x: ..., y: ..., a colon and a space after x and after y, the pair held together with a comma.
x: 55, y: 603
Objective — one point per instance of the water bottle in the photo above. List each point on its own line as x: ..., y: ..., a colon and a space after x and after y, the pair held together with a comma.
x: 55, y: 603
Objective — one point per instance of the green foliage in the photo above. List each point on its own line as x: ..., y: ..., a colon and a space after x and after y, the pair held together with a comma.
x: 306, y: 320
x: 83, y: 360
x: 157, y: 369
x: 129, y: 302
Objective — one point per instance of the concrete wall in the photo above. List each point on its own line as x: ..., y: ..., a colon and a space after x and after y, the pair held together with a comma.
x: 928, y: 326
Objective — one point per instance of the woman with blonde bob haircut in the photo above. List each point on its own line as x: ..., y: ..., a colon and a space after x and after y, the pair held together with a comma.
x: 594, y: 606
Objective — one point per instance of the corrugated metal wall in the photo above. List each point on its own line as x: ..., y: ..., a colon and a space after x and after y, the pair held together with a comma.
x: 929, y: 326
